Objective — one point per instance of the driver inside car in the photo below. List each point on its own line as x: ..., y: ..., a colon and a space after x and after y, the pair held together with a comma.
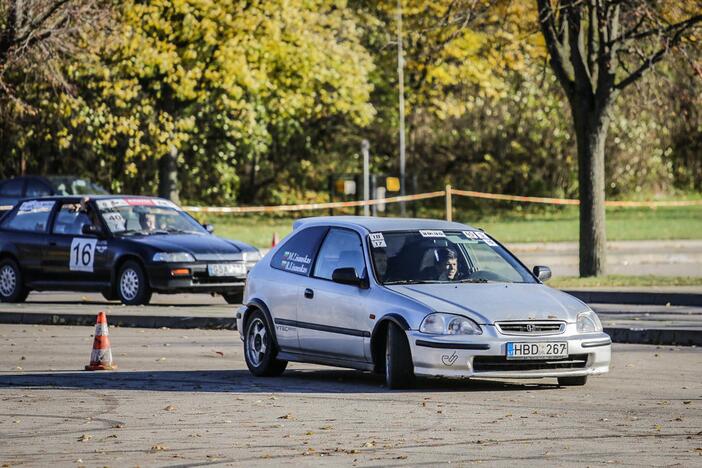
x: 445, y: 269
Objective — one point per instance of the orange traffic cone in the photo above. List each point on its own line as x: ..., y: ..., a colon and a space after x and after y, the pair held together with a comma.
x: 275, y: 240
x: 101, y: 357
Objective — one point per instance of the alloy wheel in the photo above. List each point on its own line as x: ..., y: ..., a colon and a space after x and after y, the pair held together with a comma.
x: 256, y: 342
x: 129, y: 284
x: 8, y: 280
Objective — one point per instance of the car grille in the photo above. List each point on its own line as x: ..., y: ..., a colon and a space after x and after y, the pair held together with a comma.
x: 501, y: 363
x: 531, y: 328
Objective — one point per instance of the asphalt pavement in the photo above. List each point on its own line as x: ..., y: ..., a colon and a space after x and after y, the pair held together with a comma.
x: 185, y: 398
x: 624, y: 322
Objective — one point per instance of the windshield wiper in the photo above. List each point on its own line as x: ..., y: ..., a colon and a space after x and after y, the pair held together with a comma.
x: 129, y: 232
x: 474, y: 280
x: 415, y: 282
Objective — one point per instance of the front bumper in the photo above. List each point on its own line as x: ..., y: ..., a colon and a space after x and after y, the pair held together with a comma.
x: 197, y: 280
x: 484, y: 355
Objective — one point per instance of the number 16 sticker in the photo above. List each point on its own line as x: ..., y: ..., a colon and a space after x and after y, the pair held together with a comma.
x: 82, y: 254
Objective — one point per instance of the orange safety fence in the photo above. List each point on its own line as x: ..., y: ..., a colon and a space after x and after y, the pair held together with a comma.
x: 312, y: 206
x: 572, y: 201
x: 448, y: 193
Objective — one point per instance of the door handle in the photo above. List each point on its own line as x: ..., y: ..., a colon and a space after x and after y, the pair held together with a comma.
x: 52, y: 244
x: 309, y: 294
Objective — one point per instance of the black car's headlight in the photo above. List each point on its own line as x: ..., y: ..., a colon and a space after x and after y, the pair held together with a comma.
x: 449, y: 324
x: 588, y: 322
x: 173, y: 257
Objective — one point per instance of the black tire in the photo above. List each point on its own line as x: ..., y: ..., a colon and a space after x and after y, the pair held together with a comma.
x: 572, y: 381
x: 259, y: 348
x: 399, y: 369
x: 132, y: 284
x: 234, y: 298
x: 12, y: 288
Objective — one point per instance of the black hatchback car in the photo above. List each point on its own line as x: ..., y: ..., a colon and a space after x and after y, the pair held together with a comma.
x: 14, y: 190
x: 125, y: 247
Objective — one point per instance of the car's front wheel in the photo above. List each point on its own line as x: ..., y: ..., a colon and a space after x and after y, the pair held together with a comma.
x: 259, y: 348
x: 132, y: 284
x: 572, y: 381
x: 399, y: 369
x: 12, y: 287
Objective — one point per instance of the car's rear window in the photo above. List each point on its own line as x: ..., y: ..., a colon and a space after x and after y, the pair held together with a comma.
x: 31, y: 216
x: 296, y: 255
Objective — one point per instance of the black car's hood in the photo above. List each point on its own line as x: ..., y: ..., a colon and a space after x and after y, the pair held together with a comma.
x: 201, y: 246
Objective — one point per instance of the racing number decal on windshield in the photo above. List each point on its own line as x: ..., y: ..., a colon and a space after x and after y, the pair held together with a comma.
x: 377, y: 240
x: 82, y: 254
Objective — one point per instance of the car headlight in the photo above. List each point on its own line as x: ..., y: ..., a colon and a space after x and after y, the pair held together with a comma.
x: 588, y: 322
x: 449, y: 324
x: 251, y: 257
x: 174, y: 257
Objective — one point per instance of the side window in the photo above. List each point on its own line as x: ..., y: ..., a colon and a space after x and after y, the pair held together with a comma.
x: 342, y: 248
x: 32, y: 216
x: 297, y: 254
x: 70, y: 220
x: 12, y: 188
x: 36, y: 189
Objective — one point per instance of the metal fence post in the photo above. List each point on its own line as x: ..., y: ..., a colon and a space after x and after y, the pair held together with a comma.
x: 449, y: 208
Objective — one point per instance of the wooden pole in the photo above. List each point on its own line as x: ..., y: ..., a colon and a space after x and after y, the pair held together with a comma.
x: 449, y: 208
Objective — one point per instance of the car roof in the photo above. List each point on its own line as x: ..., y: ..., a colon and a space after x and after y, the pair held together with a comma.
x: 80, y: 197
x: 375, y: 224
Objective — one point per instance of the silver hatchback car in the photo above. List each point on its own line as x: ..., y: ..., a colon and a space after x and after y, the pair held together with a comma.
x: 409, y: 297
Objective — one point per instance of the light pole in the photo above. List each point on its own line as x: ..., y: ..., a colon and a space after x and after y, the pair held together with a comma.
x: 401, y: 82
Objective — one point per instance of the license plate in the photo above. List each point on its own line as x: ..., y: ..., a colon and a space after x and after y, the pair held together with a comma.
x: 537, y: 350
x: 226, y: 269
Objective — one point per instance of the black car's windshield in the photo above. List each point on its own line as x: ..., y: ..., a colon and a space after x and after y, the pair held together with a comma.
x: 74, y: 186
x: 430, y: 256
x: 146, y: 216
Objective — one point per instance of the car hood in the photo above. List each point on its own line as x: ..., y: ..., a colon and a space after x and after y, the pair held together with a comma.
x: 202, y: 247
x: 492, y: 302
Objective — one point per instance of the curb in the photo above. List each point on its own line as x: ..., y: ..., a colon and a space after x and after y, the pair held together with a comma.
x: 132, y: 321
x: 655, y: 336
x: 636, y: 297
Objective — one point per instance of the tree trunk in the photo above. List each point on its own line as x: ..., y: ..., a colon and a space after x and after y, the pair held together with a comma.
x: 591, y: 125
x: 168, y: 177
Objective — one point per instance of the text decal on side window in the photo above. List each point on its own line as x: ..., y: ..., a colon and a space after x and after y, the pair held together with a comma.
x: 296, y: 263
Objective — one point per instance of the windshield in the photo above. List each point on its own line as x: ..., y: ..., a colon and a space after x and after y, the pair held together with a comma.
x: 146, y: 216
x: 72, y: 186
x: 443, y: 257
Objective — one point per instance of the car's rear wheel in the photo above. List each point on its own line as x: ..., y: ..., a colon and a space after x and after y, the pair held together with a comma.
x: 132, y: 284
x: 259, y: 348
x: 234, y: 298
x: 399, y: 369
x: 572, y: 381
x: 12, y: 287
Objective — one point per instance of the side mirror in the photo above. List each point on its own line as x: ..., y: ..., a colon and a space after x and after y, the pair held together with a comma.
x: 348, y: 275
x: 91, y: 230
x: 209, y: 228
x: 542, y: 272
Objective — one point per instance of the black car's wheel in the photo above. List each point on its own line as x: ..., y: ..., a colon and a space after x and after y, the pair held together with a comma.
x: 572, y: 381
x: 259, y: 349
x: 399, y: 369
x: 12, y: 287
x: 132, y: 284
x: 234, y: 298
